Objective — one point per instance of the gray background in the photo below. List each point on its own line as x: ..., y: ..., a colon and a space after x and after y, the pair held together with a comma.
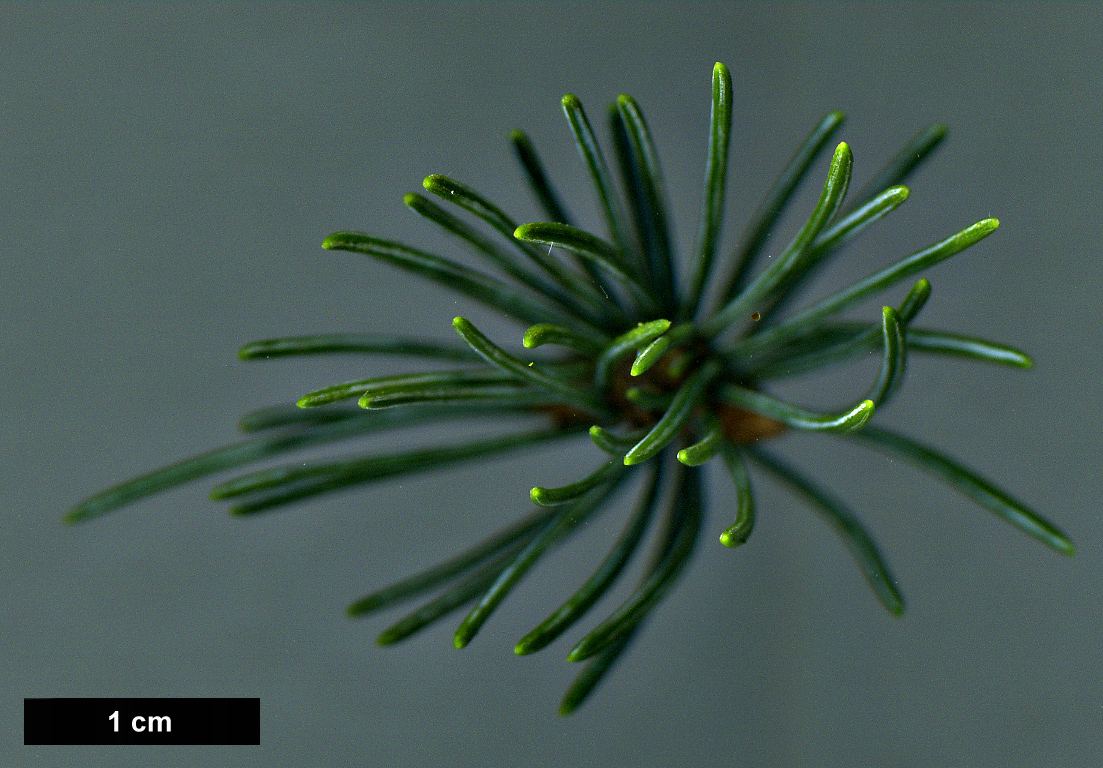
x: 169, y: 173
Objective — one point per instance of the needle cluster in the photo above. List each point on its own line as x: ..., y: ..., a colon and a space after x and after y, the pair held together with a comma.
x: 663, y: 368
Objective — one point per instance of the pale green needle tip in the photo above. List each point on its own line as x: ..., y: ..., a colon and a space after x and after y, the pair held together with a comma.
x: 732, y: 539
x: 857, y: 418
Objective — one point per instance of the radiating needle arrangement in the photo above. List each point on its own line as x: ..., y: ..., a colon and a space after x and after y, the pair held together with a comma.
x: 664, y: 363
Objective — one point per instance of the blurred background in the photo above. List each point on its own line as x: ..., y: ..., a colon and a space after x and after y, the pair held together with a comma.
x: 169, y: 173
